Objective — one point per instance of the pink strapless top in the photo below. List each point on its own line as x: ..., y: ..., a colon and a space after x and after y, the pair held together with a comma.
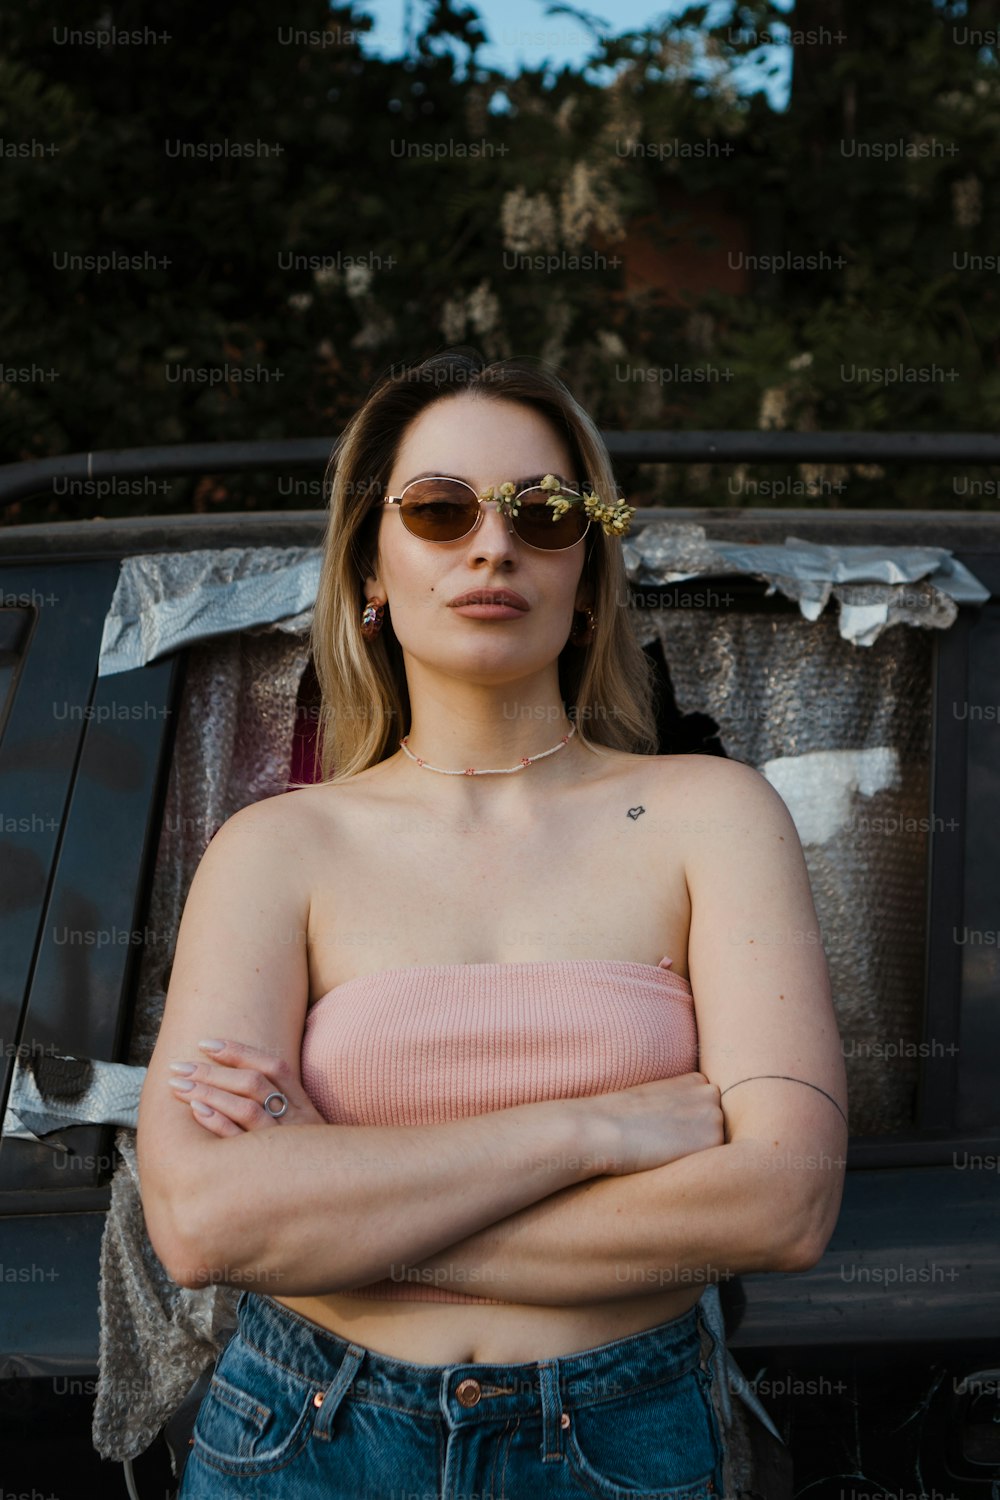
x: 430, y: 1043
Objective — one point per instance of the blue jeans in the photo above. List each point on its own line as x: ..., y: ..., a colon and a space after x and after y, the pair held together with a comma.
x: 296, y: 1411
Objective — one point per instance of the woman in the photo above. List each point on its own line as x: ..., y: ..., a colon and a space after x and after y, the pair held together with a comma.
x: 508, y: 1063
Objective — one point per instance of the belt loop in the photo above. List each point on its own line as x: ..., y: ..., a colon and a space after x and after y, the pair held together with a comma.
x: 548, y: 1380
x: 328, y: 1401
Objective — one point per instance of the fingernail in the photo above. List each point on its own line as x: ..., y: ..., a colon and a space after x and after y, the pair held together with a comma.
x: 203, y: 1109
x: 211, y: 1046
x: 181, y: 1083
x: 182, y: 1067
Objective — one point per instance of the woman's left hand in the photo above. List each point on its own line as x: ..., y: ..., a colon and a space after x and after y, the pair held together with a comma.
x: 226, y: 1095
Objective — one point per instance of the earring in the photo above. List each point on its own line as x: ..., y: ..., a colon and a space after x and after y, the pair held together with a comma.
x: 371, y: 618
x: 582, y: 635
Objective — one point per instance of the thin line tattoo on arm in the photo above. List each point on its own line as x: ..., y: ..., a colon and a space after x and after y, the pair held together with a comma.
x: 787, y: 1079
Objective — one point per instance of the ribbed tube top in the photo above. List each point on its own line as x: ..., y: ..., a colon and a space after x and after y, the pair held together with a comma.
x: 430, y: 1043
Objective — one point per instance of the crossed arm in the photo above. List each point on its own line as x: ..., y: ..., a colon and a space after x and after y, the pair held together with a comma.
x: 749, y: 1205
x: 768, y: 1198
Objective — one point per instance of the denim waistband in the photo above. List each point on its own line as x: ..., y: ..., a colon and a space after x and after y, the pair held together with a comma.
x: 473, y: 1391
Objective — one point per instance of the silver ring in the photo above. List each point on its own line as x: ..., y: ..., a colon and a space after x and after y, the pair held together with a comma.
x: 276, y: 1113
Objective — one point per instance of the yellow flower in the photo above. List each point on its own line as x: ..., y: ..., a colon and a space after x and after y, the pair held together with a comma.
x: 614, y: 518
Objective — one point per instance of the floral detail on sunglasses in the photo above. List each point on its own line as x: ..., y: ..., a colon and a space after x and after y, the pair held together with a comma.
x: 615, y: 519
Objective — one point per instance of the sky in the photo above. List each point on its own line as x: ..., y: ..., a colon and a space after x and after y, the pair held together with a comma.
x: 521, y: 33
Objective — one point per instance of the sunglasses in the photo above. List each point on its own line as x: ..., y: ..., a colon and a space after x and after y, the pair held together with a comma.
x: 440, y: 509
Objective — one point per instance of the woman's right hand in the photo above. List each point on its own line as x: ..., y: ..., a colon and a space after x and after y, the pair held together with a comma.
x: 650, y: 1124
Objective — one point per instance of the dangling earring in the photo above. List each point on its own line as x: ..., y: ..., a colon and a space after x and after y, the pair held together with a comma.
x: 583, y: 635
x: 371, y: 618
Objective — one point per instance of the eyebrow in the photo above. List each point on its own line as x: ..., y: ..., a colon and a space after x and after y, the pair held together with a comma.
x: 520, y: 483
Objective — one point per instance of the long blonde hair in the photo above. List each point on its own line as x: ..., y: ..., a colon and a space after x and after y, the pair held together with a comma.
x: 607, y: 687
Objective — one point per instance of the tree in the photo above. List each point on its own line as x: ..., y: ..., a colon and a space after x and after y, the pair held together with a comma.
x: 230, y: 226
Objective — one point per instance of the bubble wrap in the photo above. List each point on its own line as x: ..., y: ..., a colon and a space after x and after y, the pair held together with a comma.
x: 233, y: 747
x: 844, y: 736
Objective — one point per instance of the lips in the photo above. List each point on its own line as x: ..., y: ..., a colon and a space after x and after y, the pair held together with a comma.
x: 491, y: 596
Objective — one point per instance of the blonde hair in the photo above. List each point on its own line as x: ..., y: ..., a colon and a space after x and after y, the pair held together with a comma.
x: 607, y: 687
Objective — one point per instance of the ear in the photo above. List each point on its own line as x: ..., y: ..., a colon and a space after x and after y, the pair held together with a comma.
x: 585, y: 590
x: 372, y: 580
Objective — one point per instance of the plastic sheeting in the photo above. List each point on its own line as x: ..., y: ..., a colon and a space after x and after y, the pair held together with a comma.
x: 66, y: 1091
x: 166, y: 600
x: 819, y: 788
x: 874, y: 587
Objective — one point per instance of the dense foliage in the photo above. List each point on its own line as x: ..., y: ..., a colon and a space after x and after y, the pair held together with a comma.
x: 216, y: 225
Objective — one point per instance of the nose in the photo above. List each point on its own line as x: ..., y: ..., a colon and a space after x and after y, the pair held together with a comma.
x: 494, y: 534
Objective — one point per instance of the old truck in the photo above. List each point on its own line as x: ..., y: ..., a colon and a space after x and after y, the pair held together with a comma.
x: 880, y: 1367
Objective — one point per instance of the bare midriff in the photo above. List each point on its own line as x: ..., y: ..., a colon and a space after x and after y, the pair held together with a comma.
x: 441, y: 1333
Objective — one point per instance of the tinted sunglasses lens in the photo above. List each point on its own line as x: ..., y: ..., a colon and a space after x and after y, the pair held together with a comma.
x: 443, y: 510
x: 538, y: 524
x: 439, y: 510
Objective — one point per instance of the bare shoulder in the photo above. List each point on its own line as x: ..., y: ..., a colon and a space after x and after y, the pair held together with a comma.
x: 712, y: 807
x: 743, y: 836
x: 708, y: 783
x: 271, y: 817
x: 287, y: 823
x: 732, y: 791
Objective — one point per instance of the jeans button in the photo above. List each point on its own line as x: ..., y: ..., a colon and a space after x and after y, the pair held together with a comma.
x: 468, y: 1392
